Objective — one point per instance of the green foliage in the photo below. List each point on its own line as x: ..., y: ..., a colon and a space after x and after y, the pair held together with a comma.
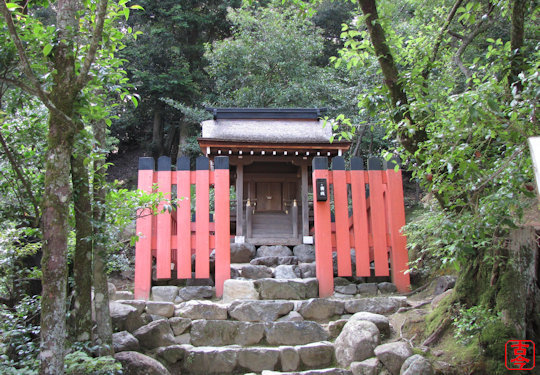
x: 79, y: 363
x: 474, y: 160
x: 19, y: 337
x: 469, y: 322
x: 167, y: 61
x: 122, y: 207
x: 15, y: 245
x: 270, y: 61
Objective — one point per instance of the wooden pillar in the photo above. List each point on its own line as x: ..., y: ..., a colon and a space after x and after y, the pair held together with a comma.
x: 249, y: 213
x: 202, y: 218
x: 399, y: 257
x: 239, y: 200
x: 143, y: 247
x: 222, y: 223
x: 294, y: 217
x: 305, y: 202
x: 183, y: 217
x: 323, y: 231
x: 163, y: 252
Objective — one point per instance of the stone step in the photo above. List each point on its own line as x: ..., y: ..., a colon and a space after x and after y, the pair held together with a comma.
x: 325, y: 371
x: 229, y: 332
x: 235, y: 359
x: 131, y: 314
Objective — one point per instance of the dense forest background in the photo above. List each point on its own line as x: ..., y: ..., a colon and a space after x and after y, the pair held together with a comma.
x: 450, y: 86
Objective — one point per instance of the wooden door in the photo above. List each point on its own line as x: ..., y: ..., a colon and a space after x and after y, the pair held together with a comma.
x: 269, y: 196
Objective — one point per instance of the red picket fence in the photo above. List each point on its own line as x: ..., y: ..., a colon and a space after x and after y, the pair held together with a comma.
x: 178, y: 236
x: 369, y: 214
x: 368, y: 210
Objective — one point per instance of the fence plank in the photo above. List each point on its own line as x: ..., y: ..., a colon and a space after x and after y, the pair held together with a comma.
x: 396, y: 219
x: 360, y: 219
x: 202, y: 252
x: 323, y: 239
x: 342, y: 217
x: 164, y: 221
x: 378, y: 222
x: 222, y: 223
x: 183, y: 192
x: 143, y: 247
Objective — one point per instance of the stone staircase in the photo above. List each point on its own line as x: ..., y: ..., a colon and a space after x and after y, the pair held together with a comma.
x: 269, y: 321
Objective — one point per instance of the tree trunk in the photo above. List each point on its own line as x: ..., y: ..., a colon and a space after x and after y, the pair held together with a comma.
x: 157, y: 134
x: 57, y: 194
x: 409, y: 140
x: 172, y: 142
x: 517, y: 39
x: 182, y: 139
x: 101, y: 289
x: 81, y: 323
x: 519, y: 297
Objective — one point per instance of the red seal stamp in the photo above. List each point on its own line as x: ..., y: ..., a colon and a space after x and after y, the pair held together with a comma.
x: 519, y: 355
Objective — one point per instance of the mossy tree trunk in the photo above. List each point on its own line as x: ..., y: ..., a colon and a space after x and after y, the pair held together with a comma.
x: 81, y: 323
x: 509, y: 287
x: 57, y: 194
x: 61, y: 102
x: 508, y: 283
x: 101, y: 289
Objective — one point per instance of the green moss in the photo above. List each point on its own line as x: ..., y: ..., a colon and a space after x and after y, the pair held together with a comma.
x: 493, y: 338
x: 511, y: 299
x: 458, y: 355
x: 440, y: 313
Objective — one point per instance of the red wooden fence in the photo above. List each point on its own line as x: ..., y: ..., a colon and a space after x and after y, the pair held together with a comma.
x: 368, y: 210
x: 179, y: 237
x: 370, y: 221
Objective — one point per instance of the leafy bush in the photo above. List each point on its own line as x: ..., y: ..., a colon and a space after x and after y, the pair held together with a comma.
x: 470, y: 322
x: 19, y: 337
x: 80, y: 363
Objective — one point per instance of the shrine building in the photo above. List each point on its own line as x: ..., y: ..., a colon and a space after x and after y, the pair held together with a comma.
x: 270, y: 154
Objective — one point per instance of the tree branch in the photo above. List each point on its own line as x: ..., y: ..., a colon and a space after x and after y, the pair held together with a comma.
x: 517, y: 40
x: 435, y: 52
x: 409, y: 140
x: 27, y: 69
x: 20, y: 85
x: 467, y: 40
x: 455, y: 35
x: 101, y: 13
x: 502, y: 168
x: 20, y: 175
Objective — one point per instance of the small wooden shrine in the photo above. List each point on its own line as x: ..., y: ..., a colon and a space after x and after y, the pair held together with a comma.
x: 270, y: 153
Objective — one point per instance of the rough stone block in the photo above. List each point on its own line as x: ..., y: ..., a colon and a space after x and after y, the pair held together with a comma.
x: 259, y: 311
x: 201, y: 310
x: 155, y: 334
x: 164, y: 293
x: 124, y: 341
x: 179, y: 325
x: 393, y: 355
x: 316, y: 355
x: 320, y: 309
x: 294, y: 333
x: 356, y: 342
x: 258, y: 359
x: 234, y: 290
x: 165, y: 309
x: 210, y: 360
x: 376, y: 305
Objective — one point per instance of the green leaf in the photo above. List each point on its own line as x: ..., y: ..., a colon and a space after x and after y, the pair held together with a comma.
x: 47, y: 49
x: 13, y: 6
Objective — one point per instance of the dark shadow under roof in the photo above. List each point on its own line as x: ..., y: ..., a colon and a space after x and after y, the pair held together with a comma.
x: 267, y: 113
